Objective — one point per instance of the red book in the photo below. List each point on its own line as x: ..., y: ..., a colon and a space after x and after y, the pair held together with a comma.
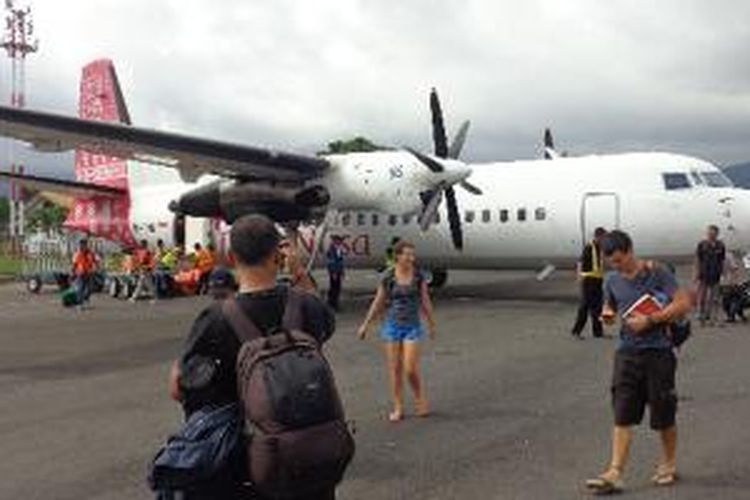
x: 646, y: 306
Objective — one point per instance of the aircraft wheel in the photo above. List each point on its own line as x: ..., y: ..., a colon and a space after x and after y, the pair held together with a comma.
x: 439, y: 278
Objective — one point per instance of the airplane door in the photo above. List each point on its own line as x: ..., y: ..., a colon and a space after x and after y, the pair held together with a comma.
x: 599, y: 210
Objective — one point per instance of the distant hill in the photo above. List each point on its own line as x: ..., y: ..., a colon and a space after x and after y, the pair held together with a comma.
x: 740, y: 174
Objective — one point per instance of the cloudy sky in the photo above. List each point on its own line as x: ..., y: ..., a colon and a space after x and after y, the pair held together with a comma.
x: 607, y: 76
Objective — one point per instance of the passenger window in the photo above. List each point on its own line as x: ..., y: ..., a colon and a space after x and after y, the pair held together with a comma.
x: 346, y: 219
x: 361, y: 219
x: 375, y: 219
x: 676, y: 181
x: 407, y: 219
x: 540, y: 213
x: 436, y: 219
x: 504, y: 216
x: 392, y: 220
x: 486, y: 216
x: 469, y: 216
x: 521, y: 215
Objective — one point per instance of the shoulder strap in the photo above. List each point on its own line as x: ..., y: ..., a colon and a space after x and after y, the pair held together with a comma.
x: 292, y: 319
x: 244, y: 328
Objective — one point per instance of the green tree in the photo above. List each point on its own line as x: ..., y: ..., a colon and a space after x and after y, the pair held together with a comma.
x: 357, y: 144
x: 4, y: 211
x: 46, y: 216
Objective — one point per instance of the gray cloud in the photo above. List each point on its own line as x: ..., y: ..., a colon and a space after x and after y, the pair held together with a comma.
x: 607, y: 76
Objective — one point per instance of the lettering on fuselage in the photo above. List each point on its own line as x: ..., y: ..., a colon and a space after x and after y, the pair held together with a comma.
x: 353, y: 245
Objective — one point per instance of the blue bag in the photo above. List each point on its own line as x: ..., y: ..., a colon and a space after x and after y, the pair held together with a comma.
x: 210, y: 442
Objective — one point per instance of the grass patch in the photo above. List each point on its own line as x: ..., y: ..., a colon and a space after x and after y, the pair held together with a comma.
x: 10, y: 266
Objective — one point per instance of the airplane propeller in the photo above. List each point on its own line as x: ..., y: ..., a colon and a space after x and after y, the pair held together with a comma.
x: 442, y: 150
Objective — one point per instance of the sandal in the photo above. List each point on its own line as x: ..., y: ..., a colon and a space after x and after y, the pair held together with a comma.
x: 395, y: 416
x: 665, y: 476
x: 604, y: 485
x: 422, y: 408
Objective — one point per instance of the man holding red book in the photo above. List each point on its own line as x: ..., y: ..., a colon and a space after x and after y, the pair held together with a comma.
x: 646, y: 298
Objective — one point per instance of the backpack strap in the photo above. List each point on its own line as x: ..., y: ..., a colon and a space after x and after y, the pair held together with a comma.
x: 293, y: 318
x: 244, y: 328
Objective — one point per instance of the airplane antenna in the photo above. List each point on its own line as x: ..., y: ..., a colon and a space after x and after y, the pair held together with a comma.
x: 18, y: 41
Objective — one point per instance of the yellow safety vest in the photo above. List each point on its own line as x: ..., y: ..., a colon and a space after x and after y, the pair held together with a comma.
x: 596, y: 264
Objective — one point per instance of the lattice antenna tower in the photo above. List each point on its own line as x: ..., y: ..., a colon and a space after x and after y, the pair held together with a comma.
x: 18, y: 41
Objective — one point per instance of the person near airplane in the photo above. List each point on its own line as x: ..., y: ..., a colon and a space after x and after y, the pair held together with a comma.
x: 85, y: 264
x: 645, y: 363
x: 144, y: 266
x: 335, y: 266
x: 403, y: 294
x: 734, y: 287
x: 710, y: 256
x: 205, y: 374
x: 590, y: 272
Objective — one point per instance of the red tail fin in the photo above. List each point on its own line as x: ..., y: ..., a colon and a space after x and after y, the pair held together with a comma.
x: 101, y: 99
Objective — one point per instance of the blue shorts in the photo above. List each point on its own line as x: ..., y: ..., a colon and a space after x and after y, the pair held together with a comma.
x: 395, y: 332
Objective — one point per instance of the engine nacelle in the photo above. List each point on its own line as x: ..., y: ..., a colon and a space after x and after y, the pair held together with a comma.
x: 230, y: 200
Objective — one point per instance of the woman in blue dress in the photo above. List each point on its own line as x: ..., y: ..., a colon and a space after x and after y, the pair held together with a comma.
x: 403, y: 295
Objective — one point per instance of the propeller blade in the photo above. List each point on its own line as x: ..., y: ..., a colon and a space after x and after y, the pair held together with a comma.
x: 438, y: 126
x: 458, y: 142
x: 430, y: 210
x: 471, y: 188
x: 427, y: 161
x: 454, y: 219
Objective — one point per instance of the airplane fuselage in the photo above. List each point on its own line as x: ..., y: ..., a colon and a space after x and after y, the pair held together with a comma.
x: 530, y: 213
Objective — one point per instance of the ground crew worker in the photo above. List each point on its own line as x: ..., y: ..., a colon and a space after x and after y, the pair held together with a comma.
x: 335, y: 265
x: 144, y: 266
x: 84, y: 267
x: 165, y: 268
x: 591, y: 277
x: 205, y: 260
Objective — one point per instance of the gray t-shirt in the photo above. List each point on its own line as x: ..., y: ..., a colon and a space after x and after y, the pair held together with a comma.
x: 621, y: 293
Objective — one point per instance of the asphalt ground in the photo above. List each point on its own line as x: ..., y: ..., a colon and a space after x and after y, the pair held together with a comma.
x: 521, y: 410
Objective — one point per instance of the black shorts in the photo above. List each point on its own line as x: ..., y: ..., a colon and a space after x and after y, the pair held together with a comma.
x: 643, y: 378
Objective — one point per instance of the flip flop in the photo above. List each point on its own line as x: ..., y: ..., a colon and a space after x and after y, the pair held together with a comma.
x: 395, y: 416
x: 604, y: 486
x: 664, y: 476
x: 422, y: 409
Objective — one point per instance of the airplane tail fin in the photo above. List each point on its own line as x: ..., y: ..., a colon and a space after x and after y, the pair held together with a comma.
x: 101, y: 98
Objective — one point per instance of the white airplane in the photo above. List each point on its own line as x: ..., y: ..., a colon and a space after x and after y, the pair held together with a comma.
x: 504, y: 215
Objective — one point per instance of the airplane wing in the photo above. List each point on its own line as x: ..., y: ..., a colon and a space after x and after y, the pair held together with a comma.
x: 192, y: 156
x: 61, y: 186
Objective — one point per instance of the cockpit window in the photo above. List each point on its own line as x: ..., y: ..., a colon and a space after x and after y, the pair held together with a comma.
x: 674, y: 181
x: 697, y: 179
x: 716, y: 179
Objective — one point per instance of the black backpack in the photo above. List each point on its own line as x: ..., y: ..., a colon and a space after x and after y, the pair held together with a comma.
x: 299, y: 440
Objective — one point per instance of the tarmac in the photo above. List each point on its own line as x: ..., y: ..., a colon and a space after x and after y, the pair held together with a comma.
x: 521, y: 410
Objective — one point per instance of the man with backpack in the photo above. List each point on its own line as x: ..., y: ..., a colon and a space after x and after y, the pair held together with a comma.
x: 650, y: 304
x: 261, y: 350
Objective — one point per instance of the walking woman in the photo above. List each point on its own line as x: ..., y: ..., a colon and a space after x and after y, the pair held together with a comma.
x: 402, y: 294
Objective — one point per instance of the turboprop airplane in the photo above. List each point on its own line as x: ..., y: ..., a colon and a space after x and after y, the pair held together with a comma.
x: 137, y: 183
